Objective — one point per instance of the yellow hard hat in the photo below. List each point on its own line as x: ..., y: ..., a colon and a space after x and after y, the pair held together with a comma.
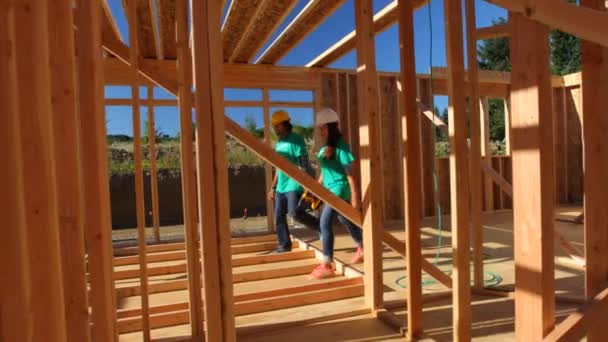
x: 279, y: 116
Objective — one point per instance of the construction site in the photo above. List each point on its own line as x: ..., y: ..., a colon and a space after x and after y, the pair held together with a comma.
x: 471, y: 246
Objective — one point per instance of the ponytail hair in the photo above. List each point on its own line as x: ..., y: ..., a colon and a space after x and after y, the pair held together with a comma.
x: 333, y: 138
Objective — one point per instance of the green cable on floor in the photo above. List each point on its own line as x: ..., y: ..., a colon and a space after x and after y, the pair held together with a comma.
x: 494, y: 279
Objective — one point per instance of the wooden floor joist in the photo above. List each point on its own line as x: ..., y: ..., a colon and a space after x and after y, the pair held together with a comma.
x: 180, y: 316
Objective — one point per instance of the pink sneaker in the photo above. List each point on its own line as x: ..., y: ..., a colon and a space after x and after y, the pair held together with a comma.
x: 322, y: 271
x: 358, y: 257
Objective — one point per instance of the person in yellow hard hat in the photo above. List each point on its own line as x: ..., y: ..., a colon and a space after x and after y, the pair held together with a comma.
x: 285, y: 191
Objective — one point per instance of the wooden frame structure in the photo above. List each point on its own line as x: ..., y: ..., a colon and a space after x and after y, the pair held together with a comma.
x: 55, y: 59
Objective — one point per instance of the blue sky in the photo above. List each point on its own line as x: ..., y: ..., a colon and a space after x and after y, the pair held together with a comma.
x: 340, y: 23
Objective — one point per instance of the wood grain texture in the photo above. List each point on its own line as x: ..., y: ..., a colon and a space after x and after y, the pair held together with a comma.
x: 370, y: 164
x: 269, y: 15
x: 411, y: 159
x: 15, y: 281
x: 459, y: 173
x: 69, y: 177
x: 95, y: 172
x: 533, y: 213
x: 39, y: 169
x: 595, y: 161
x: 311, y: 16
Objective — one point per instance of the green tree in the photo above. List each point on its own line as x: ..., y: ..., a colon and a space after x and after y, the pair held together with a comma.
x: 565, y: 52
x: 252, y: 127
x: 493, y: 54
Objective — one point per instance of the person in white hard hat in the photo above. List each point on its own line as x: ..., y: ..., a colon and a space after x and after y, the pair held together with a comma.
x: 335, y: 159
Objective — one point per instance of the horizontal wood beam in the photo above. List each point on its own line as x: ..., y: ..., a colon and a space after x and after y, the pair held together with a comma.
x: 180, y: 317
x: 492, y: 32
x: 583, y: 22
x: 245, y: 297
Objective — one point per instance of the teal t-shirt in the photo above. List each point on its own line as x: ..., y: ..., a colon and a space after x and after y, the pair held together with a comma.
x: 291, y: 148
x: 334, y: 172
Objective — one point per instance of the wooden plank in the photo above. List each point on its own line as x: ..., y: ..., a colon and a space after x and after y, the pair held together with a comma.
x: 153, y: 171
x: 595, y: 161
x: 391, y: 177
x: 427, y: 146
x: 507, y: 108
x: 382, y: 20
x: 146, y: 26
x: 574, y: 130
x: 411, y: 160
x: 188, y: 171
x: 560, y: 145
x: 475, y: 171
x: 296, y: 300
x: 69, y: 177
x: 533, y: 214
x: 309, y: 18
x: 162, y: 320
x: 16, y: 322
x: 96, y: 194
x: 166, y: 10
x: 157, y: 257
x: 369, y: 135
x: 237, y: 22
x: 143, y: 102
x: 486, y: 153
x: 491, y: 32
x: 164, y: 247
x: 267, y: 168
x: 244, y: 261
x: 109, y: 26
x: 134, y: 51
x: 329, y: 284
x: 269, y: 15
x: 179, y: 317
x: 212, y: 176
x: 459, y: 174
x: 39, y: 187
x: 583, y: 22
x: 582, y: 322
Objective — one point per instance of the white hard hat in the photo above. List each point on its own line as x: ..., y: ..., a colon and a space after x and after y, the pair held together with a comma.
x: 325, y: 116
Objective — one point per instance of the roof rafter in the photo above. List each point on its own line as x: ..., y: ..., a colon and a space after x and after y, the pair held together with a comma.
x: 311, y: 16
x: 166, y: 10
x: 269, y: 15
x: 108, y: 22
x: 238, y: 20
x: 382, y: 21
x: 147, y: 30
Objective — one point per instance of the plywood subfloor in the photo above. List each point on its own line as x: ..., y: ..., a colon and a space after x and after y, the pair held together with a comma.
x: 492, y: 316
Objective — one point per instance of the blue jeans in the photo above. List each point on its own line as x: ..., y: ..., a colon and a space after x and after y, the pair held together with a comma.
x: 287, y: 204
x: 327, y: 231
